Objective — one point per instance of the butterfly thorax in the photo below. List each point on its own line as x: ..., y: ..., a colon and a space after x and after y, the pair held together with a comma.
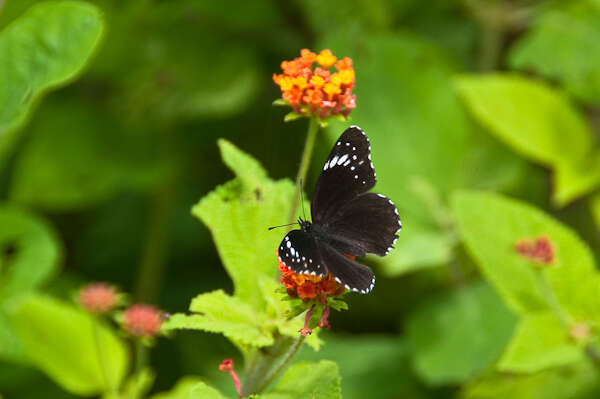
x: 316, y: 230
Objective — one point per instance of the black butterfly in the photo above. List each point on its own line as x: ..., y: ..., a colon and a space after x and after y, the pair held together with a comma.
x: 346, y: 219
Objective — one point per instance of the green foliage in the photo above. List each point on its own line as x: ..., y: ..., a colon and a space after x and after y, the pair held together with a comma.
x: 59, y: 339
x: 562, y: 45
x: 540, y: 342
x: 491, y: 226
x: 190, y: 388
x: 218, y: 312
x: 307, y: 380
x: 458, y: 335
x: 51, y: 175
x: 33, y: 254
x: 43, y: 49
x: 577, y: 381
x: 382, y: 359
x: 36, y: 255
x: 532, y: 118
x: 238, y: 214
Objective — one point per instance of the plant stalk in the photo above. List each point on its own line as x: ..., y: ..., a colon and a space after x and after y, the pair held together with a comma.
x: 154, y: 255
x: 260, y: 365
x: 309, y: 145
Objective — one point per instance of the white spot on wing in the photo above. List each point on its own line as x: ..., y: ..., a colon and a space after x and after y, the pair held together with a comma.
x: 342, y: 159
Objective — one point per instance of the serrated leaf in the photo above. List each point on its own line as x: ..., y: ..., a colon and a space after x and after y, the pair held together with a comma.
x: 220, y: 313
x: 37, y: 251
x: 307, y: 380
x: 532, y: 118
x: 190, y: 388
x: 540, y: 341
x: 578, y: 381
x: 491, y: 225
x: 60, y: 340
x: 561, y: 45
x: 238, y: 214
x: 458, y: 335
x: 41, y: 50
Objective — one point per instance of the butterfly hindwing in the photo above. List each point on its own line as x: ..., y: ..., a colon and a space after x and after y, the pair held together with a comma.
x: 353, y: 275
x: 367, y: 224
x: 299, y: 253
x: 347, y: 173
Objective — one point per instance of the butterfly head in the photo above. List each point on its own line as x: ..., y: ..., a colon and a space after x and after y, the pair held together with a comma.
x: 304, y: 224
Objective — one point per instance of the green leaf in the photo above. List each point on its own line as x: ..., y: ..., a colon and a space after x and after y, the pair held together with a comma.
x: 422, y: 248
x: 561, y: 45
x: 220, y: 313
x: 37, y: 251
x: 60, y: 340
x: 43, y: 49
x: 458, y: 335
x: 307, y: 380
x: 594, y: 204
x: 408, y: 108
x: 11, y: 349
x: 577, y: 381
x: 382, y: 359
x: 532, y: 118
x: 291, y: 116
x: 238, y: 214
x: 190, y: 388
x: 491, y: 225
x: 540, y: 341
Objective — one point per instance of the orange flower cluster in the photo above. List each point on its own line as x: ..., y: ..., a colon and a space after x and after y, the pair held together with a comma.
x: 318, y: 92
x: 539, y: 249
x: 307, y: 287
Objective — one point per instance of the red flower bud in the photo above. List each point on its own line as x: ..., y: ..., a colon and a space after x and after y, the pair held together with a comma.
x: 142, y: 320
x: 98, y: 297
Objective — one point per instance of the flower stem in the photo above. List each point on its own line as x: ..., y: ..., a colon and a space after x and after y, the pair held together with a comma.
x: 309, y: 145
x: 259, y: 365
x: 154, y: 255
x: 282, y: 364
x: 141, y: 355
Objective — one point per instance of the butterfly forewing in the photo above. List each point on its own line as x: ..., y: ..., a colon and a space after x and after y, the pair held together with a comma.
x: 351, y: 274
x: 298, y: 252
x: 367, y: 224
x: 347, y: 173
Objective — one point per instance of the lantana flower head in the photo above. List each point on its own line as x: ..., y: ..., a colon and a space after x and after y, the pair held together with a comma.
x: 311, y: 289
x: 317, y: 85
x: 308, y: 287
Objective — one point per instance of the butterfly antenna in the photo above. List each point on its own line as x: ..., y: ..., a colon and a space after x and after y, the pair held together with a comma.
x: 302, y: 200
x: 283, y: 225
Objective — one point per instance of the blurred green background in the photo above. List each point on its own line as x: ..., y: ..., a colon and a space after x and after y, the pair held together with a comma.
x: 495, y: 95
